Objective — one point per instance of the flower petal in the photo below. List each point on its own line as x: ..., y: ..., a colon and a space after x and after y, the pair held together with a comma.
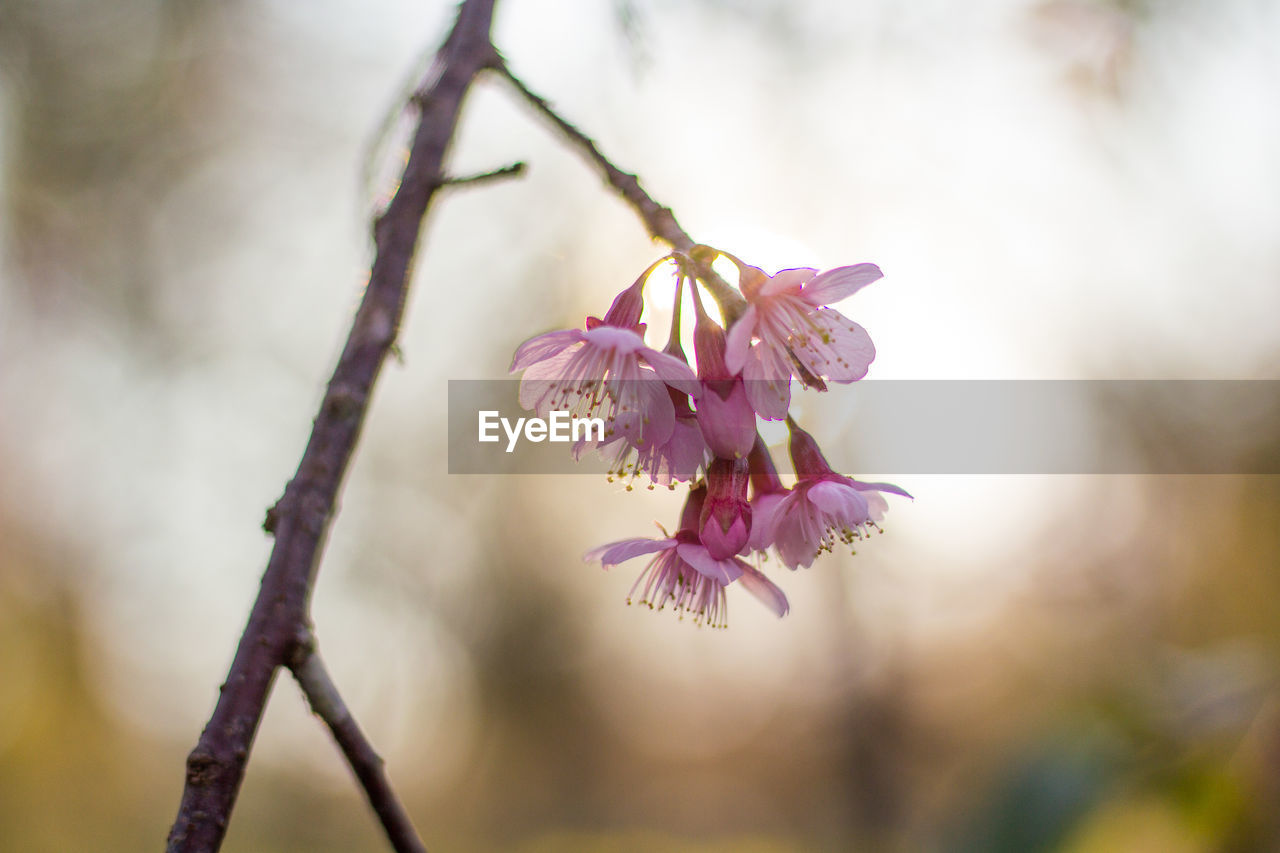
x: 839, y: 500
x: 881, y: 487
x: 672, y: 371
x: 723, y: 572
x: 768, y: 387
x: 739, y: 340
x: 543, y: 379
x: 877, y: 506
x: 839, y: 283
x: 543, y: 347
x: 834, y: 347
x: 728, y: 424
x: 787, y: 281
x: 764, y: 510
x: 683, y: 455
x: 619, y: 552
x: 765, y: 590
x: 649, y: 415
x: 796, y: 537
x: 622, y: 341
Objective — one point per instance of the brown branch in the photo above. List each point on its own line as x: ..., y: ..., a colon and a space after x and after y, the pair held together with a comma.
x: 657, y: 218
x: 324, y: 699
x: 300, y: 520
x: 514, y: 170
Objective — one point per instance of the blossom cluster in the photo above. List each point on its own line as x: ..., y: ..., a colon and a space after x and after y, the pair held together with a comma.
x: 671, y: 423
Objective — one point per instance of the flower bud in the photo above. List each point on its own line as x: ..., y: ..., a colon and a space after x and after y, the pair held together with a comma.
x: 728, y: 422
x: 725, y: 415
x: 806, y: 458
x: 725, y: 523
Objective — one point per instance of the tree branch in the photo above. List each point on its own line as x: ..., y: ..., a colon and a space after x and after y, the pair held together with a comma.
x: 324, y: 699
x: 658, y: 219
x: 278, y: 632
x: 300, y: 520
x: 514, y: 170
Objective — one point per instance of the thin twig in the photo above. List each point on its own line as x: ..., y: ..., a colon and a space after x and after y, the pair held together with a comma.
x: 324, y: 699
x: 514, y: 170
x: 658, y: 219
x: 300, y: 520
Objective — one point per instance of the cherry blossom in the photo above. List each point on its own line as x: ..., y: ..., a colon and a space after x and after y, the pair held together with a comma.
x: 605, y: 371
x: 683, y: 573
x: 793, y: 331
x: 824, y: 507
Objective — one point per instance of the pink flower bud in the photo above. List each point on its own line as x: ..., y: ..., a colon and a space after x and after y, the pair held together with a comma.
x: 627, y: 306
x: 724, y: 527
x: 805, y: 455
x: 727, y: 420
x: 725, y: 415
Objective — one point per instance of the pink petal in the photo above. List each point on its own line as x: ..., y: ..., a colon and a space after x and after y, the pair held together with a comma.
x: 881, y: 487
x: 836, y: 348
x: 623, y: 341
x: 728, y: 424
x: 684, y: 454
x: 768, y: 388
x: 739, y: 340
x: 544, y: 346
x: 794, y: 547
x: 839, y: 283
x: 787, y: 281
x: 765, y: 590
x: 655, y: 420
x: 723, y: 572
x: 672, y: 371
x: 619, y: 552
x: 764, y: 510
x: 543, y: 378
x: 722, y: 544
x: 839, y: 500
x: 797, y: 532
x: 877, y: 506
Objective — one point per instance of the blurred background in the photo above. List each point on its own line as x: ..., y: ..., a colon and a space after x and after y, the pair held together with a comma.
x: 1054, y: 188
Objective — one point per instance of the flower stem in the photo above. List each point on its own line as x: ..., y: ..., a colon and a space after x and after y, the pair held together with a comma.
x: 658, y: 219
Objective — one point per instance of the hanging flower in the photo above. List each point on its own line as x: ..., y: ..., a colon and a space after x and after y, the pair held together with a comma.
x: 683, y: 573
x: 675, y: 460
x: 793, y: 331
x: 606, y: 371
x: 824, y: 507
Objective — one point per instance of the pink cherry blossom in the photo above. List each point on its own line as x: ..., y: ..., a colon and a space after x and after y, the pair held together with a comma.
x: 683, y: 573
x: 677, y: 459
x: 824, y: 507
x: 793, y: 332
x: 819, y: 512
x: 608, y: 372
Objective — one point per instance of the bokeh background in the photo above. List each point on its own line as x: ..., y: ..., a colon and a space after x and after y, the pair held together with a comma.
x: 1054, y: 188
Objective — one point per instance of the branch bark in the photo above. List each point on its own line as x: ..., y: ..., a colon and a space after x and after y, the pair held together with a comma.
x: 323, y: 697
x: 658, y: 219
x: 300, y: 520
x: 278, y: 632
